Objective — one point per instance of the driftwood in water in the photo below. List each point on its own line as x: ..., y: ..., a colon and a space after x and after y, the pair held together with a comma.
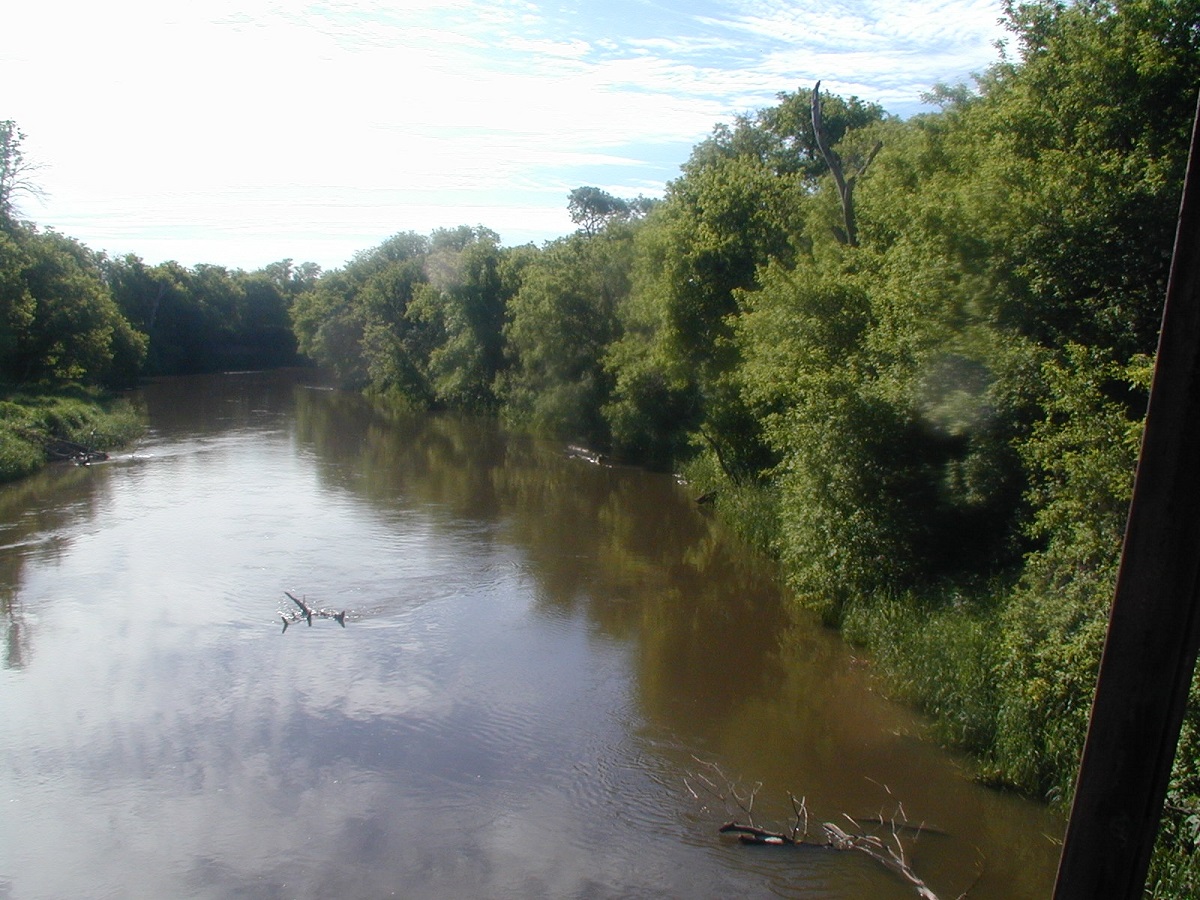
x: 76, y: 453
x: 308, y: 613
x: 752, y: 834
x: 888, y: 850
x: 890, y: 854
x: 60, y: 449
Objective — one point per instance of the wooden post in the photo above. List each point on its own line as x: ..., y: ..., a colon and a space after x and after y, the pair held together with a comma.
x: 1154, y: 628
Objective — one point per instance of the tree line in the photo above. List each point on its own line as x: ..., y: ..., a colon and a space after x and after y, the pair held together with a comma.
x: 71, y: 315
x: 909, y: 358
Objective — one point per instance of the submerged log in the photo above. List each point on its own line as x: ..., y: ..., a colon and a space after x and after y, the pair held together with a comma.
x: 752, y: 834
x: 574, y: 451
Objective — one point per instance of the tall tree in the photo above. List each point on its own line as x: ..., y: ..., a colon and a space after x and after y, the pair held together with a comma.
x: 742, y: 201
x: 16, y: 171
x: 592, y: 208
x: 64, y: 323
x: 843, y: 177
x: 561, y: 322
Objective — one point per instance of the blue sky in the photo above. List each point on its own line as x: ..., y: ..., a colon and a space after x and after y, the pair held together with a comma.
x: 240, y: 132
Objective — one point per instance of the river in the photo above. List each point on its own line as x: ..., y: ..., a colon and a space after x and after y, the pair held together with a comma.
x: 549, y: 675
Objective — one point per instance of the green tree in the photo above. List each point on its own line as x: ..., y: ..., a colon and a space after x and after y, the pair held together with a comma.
x: 290, y: 278
x: 731, y: 212
x: 64, y: 323
x: 561, y: 323
x: 1094, y: 123
x: 163, y: 302
x: 265, y: 337
x: 203, y: 319
x: 1081, y: 455
x: 1016, y: 252
x: 419, y: 317
x: 846, y: 468
x: 395, y: 348
x: 336, y: 329
x: 464, y: 305
x: 16, y: 171
x: 793, y: 147
x: 18, y: 306
x: 592, y: 208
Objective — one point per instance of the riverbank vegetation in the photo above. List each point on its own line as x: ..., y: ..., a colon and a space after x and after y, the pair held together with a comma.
x: 908, y: 358
x: 63, y: 423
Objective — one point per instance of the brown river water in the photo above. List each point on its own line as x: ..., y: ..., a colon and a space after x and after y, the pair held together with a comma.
x: 542, y: 663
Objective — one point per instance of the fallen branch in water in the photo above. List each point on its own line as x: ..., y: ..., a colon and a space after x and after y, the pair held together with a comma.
x: 888, y: 850
x: 891, y: 855
x: 59, y: 449
x: 307, y: 613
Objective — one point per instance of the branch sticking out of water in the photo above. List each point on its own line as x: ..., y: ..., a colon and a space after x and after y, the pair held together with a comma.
x: 888, y: 850
x: 308, y: 612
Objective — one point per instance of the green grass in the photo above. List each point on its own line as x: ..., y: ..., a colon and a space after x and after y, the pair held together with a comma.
x: 749, y: 508
x: 29, y: 419
x: 938, y: 654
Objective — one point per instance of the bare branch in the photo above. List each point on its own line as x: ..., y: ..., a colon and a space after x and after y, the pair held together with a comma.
x: 801, y: 811
x: 890, y: 850
x: 15, y: 170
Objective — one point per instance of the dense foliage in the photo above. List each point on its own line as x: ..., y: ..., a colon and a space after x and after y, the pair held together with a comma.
x: 208, y: 318
x: 909, y: 358
x: 419, y: 318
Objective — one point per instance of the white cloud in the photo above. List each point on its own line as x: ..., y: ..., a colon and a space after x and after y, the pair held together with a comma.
x: 148, y: 113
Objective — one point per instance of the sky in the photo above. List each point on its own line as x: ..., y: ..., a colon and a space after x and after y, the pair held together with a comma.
x: 243, y: 132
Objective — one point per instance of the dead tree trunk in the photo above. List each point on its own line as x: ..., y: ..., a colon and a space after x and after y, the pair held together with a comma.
x: 848, y: 233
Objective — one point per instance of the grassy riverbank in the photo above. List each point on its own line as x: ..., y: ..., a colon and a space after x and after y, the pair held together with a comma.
x: 30, y: 421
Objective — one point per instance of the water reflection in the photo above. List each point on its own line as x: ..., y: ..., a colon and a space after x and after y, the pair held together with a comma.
x: 16, y: 633
x: 536, y: 650
x: 723, y: 669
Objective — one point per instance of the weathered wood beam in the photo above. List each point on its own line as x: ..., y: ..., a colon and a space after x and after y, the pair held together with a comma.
x: 1154, y: 627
